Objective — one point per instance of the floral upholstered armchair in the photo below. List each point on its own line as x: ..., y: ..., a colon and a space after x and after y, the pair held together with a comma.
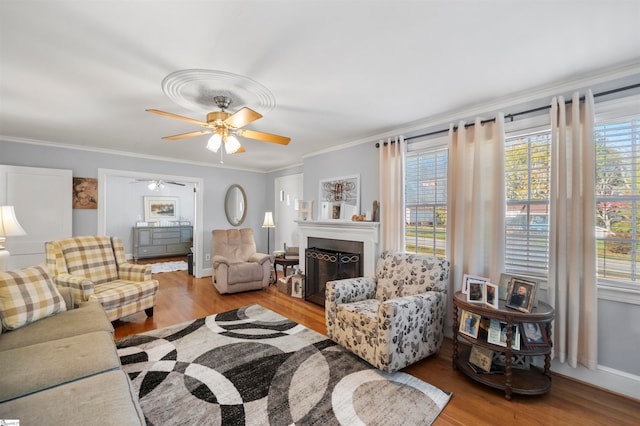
x: 95, y: 268
x: 395, y: 318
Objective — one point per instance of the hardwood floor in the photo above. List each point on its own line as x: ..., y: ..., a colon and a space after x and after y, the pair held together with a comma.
x: 182, y: 298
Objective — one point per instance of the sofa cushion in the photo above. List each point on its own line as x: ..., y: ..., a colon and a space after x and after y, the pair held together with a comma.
x: 91, y: 257
x: 244, y: 272
x: 121, y: 293
x: 88, y: 317
x: 27, y: 295
x: 102, y: 399
x: 44, y: 365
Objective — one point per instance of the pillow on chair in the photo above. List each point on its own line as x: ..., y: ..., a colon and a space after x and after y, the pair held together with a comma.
x: 27, y: 295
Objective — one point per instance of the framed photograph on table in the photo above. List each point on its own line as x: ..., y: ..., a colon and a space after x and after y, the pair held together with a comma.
x: 160, y: 208
x: 533, y: 334
x: 498, y: 334
x: 477, y: 291
x: 481, y: 357
x: 491, y: 295
x: 469, y: 324
x: 521, y: 294
x: 467, y: 278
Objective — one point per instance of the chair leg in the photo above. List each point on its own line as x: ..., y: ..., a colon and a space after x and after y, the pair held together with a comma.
x: 149, y: 312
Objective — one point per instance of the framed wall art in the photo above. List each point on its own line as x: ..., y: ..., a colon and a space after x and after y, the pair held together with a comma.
x: 158, y: 208
x: 85, y: 193
x: 339, y: 198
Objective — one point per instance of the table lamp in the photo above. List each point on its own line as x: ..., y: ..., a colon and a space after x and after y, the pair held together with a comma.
x: 9, y: 227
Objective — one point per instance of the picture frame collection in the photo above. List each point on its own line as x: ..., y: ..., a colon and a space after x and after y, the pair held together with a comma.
x: 517, y: 293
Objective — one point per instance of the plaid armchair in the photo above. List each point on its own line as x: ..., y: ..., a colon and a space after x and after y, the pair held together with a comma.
x: 395, y: 318
x: 94, y: 268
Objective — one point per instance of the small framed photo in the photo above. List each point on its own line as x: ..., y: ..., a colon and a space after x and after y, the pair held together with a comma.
x: 498, y: 334
x: 533, y: 334
x: 481, y: 357
x: 491, y: 295
x: 521, y: 294
x: 465, y: 281
x: 503, y: 285
x: 476, y: 291
x: 469, y: 324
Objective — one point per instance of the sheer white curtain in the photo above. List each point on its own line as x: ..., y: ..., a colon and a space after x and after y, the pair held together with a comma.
x: 572, y: 245
x: 476, y: 200
x: 392, y: 220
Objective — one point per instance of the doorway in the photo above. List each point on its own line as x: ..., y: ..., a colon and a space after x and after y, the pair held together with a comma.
x: 108, y: 200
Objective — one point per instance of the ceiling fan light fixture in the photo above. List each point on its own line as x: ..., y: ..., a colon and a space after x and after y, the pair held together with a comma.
x: 231, y: 144
x: 214, y: 142
x: 156, y: 185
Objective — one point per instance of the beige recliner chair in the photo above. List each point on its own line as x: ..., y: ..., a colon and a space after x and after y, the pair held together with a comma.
x: 236, y: 265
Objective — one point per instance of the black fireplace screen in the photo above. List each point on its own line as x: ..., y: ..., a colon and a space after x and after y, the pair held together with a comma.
x: 324, y: 265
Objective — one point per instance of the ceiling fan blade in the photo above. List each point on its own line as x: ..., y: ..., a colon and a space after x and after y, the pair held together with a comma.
x: 175, y: 183
x: 242, y: 118
x: 186, y: 135
x: 266, y: 137
x: 179, y: 117
x: 240, y: 150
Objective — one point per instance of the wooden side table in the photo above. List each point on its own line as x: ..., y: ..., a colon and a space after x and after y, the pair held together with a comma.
x: 533, y: 381
x: 285, y: 263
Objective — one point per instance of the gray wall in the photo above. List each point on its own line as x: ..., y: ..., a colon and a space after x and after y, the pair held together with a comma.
x: 216, y: 181
x: 360, y: 159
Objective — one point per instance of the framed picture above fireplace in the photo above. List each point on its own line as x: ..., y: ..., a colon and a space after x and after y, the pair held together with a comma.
x: 339, y: 198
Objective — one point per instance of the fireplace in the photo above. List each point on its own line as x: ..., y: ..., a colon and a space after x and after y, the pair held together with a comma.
x: 329, y: 263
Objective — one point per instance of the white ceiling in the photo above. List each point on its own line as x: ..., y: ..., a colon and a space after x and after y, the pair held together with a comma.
x: 83, y: 72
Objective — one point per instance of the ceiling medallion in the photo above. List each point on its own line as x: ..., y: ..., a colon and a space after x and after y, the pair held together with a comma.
x: 196, y: 89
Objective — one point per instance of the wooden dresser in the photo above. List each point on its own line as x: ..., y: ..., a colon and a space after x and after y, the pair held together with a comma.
x: 162, y: 241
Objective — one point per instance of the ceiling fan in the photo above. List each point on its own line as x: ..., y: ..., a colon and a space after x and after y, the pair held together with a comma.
x: 225, y: 126
x: 157, y: 184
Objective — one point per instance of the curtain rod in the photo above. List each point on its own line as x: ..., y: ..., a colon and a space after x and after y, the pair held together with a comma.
x: 515, y: 114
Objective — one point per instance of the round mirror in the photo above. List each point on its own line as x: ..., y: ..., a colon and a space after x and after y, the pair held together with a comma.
x: 235, y: 205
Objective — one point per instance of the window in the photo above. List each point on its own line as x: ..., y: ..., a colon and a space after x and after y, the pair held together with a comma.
x: 617, y: 199
x: 426, y: 202
x: 527, y: 177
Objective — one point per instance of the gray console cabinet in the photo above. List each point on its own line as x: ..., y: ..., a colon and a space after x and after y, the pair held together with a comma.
x: 162, y: 241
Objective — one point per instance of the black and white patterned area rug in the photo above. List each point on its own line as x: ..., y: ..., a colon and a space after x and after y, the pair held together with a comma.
x: 251, y: 366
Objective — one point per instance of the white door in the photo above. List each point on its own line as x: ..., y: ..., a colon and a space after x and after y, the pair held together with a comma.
x: 42, y: 202
x: 288, y: 193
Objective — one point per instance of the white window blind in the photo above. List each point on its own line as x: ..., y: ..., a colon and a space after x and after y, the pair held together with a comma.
x: 426, y: 201
x: 527, y: 177
x: 617, y: 197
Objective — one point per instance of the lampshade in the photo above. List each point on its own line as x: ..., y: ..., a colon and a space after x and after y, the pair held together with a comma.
x: 214, y: 142
x: 231, y: 144
x: 9, y: 225
x: 268, y: 220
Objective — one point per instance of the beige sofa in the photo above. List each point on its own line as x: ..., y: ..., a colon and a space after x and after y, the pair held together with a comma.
x: 61, y: 369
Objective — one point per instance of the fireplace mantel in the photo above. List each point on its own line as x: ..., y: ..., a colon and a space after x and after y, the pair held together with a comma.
x: 366, y: 232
